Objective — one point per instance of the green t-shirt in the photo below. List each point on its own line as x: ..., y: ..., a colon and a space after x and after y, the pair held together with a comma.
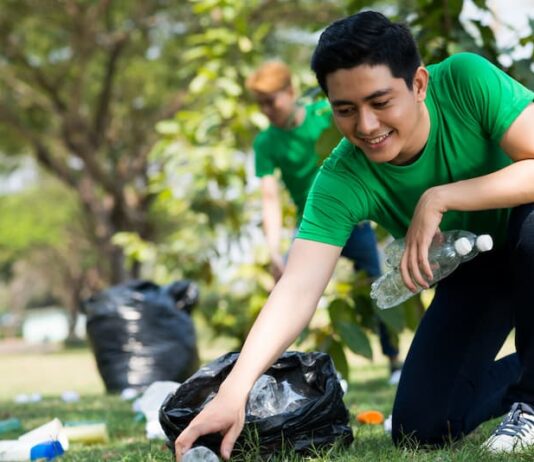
x: 471, y: 105
x: 293, y: 151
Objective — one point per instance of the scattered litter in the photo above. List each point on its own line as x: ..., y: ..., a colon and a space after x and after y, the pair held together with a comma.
x: 86, y: 432
x: 24, y: 398
x: 342, y: 382
x: 20, y: 451
x: 388, y: 425
x: 50, y: 431
x: 129, y: 393
x: 9, y: 425
x: 70, y: 396
x: 370, y: 417
x: 200, y: 454
x: 150, y: 402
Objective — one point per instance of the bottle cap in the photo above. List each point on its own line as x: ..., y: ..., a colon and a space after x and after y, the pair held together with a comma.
x: 484, y: 242
x: 48, y: 450
x: 463, y: 246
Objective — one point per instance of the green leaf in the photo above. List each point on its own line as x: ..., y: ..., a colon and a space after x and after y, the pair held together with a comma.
x: 355, y: 338
x: 413, y: 312
x: 393, y: 318
x: 337, y: 353
x: 340, y: 311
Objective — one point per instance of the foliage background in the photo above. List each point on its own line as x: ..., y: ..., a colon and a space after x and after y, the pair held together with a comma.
x: 136, y: 115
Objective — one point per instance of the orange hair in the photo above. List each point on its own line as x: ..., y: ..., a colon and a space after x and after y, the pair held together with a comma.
x: 271, y: 76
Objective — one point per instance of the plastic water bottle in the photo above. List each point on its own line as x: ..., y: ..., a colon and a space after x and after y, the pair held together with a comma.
x: 200, y: 454
x: 447, y: 251
x: 394, y: 251
x: 21, y: 451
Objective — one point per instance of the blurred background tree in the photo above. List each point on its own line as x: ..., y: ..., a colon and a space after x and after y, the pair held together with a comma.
x: 139, y: 110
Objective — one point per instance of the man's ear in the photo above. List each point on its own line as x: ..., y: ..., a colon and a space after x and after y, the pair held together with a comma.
x: 420, y: 83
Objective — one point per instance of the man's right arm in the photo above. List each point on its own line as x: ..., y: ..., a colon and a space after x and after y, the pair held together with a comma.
x: 287, y: 311
x: 272, y: 222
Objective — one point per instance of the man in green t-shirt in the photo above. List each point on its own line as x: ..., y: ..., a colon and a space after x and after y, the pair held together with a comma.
x: 289, y: 145
x: 448, y: 146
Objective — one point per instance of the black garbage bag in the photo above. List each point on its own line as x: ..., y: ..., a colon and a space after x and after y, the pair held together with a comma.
x: 317, y: 419
x: 141, y: 333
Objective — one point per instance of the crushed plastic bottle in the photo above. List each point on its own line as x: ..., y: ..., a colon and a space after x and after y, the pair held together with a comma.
x: 21, y: 451
x: 447, y: 251
x: 268, y: 398
x: 200, y: 454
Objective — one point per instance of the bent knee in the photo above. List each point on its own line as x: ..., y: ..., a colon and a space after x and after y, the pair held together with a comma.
x: 423, y: 428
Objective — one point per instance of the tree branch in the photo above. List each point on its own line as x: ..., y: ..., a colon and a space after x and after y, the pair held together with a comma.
x: 104, y: 98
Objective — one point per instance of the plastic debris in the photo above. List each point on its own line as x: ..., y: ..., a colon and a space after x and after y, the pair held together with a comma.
x: 129, y: 393
x: 70, y: 396
x: 388, y: 425
x: 50, y: 431
x: 149, y: 404
x: 370, y: 417
x: 21, y: 451
x: 268, y: 398
x: 200, y: 454
x: 24, y: 398
x: 86, y: 432
x: 9, y: 425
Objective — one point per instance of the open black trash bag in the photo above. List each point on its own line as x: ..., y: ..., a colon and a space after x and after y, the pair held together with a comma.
x: 320, y: 421
x: 141, y: 333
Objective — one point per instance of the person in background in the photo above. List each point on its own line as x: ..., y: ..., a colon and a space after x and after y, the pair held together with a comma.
x: 288, y: 145
x: 425, y: 149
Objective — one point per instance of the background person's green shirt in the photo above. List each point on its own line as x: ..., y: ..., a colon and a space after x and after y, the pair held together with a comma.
x: 471, y: 105
x: 293, y: 151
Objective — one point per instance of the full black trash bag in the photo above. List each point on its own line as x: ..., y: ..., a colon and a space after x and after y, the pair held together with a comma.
x: 141, y: 333
x: 319, y: 421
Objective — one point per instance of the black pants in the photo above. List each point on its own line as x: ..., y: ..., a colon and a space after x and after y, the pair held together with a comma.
x: 451, y: 382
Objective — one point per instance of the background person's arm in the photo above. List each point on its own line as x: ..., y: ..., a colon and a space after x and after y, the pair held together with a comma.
x: 272, y: 223
x: 287, y: 311
x: 508, y: 187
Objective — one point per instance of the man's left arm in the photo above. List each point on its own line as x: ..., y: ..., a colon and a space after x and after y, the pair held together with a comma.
x: 508, y: 187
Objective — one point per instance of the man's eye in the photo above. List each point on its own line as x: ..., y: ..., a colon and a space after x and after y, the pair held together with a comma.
x: 344, y: 111
x: 380, y: 104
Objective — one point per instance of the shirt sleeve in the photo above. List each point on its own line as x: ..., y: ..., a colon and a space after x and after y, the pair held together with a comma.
x: 493, y: 97
x: 263, y: 163
x: 335, y: 204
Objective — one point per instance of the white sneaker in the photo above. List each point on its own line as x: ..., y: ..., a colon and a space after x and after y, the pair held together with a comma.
x: 516, y: 431
x: 395, y: 376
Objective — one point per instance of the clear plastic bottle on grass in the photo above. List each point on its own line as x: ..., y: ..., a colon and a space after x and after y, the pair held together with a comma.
x: 200, y: 454
x: 448, y: 250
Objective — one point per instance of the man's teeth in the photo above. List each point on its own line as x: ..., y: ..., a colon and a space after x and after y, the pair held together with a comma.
x: 377, y: 139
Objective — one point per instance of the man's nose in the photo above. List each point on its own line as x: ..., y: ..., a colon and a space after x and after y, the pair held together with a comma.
x: 367, y: 122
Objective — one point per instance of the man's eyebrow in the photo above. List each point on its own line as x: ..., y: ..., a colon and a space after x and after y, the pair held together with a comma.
x: 376, y: 94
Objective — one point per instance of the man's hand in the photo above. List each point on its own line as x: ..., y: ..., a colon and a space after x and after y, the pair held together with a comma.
x: 414, y: 264
x: 225, y: 414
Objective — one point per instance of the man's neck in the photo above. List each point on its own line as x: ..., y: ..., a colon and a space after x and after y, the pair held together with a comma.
x: 296, y: 117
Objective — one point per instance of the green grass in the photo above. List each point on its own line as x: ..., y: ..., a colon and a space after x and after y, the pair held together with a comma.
x: 368, y: 390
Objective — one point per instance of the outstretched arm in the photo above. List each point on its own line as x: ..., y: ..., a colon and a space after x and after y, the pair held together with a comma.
x: 508, y: 187
x: 287, y: 311
x: 272, y: 223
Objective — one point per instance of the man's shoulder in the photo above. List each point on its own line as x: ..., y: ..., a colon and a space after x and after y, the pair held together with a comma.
x: 461, y: 65
x: 340, y: 154
x: 264, y: 138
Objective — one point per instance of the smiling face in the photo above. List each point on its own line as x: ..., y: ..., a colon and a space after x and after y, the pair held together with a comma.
x: 378, y: 113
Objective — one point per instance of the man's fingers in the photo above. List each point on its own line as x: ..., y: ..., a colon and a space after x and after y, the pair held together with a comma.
x: 227, y: 444
x: 186, y: 439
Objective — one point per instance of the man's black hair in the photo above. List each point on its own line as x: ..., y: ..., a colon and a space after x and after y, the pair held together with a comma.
x: 369, y: 38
